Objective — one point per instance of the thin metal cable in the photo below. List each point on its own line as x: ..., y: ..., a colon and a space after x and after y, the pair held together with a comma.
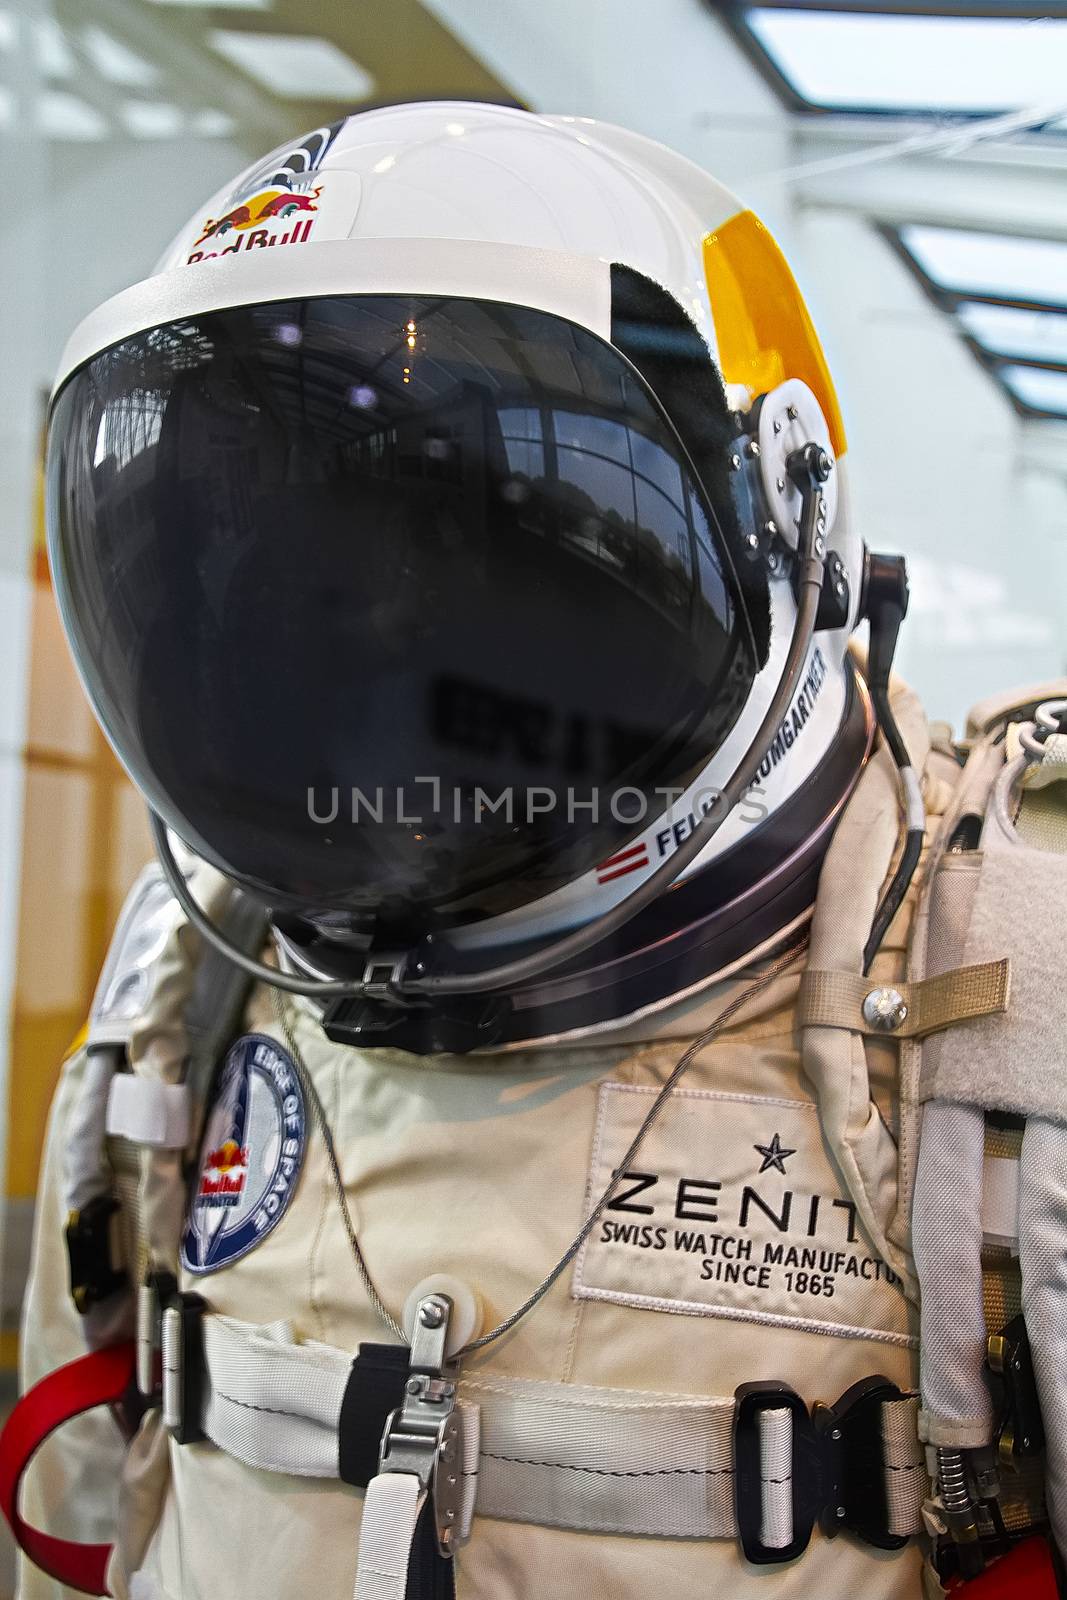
x: 281, y: 1013
x: 683, y: 1064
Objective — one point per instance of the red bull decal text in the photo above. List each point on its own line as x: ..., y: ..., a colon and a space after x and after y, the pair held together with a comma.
x: 271, y: 217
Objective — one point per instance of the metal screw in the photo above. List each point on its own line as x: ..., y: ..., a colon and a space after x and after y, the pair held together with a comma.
x: 735, y: 463
x: 780, y: 485
x: 772, y: 561
x: 752, y: 541
x: 432, y: 1314
x: 450, y: 1516
x: 752, y: 450
x: 820, y: 545
x: 841, y: 1513
x: 414, y: 1386
x: 885, y: 1009
x: 835, y: 1435
x: 777, y: 427
x: 792, y: 413
x: 840, y: 589
x: 771, y: 529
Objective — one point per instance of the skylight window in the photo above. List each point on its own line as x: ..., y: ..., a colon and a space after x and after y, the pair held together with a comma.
x: 117, y: 63
x: 65, y: 116
x: 1038, y: 387
x: 991, y: 265
x: 53, y: 49
x: 219, y: 5
x: 153, y: 119
x: 838, y: 60
x: 1013, y: 331
x: 296, y: 66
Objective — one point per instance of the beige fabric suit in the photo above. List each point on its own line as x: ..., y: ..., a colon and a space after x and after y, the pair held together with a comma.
x: 483, y: 1167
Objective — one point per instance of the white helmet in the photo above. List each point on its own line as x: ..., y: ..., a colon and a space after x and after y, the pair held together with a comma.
x: 430, y: 531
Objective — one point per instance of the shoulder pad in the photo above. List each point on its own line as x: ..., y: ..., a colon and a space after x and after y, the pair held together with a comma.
x: 1012, y: 705
x: 148, y: 917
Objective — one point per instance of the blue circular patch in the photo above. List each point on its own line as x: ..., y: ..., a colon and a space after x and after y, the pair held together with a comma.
x: 251, y: 1156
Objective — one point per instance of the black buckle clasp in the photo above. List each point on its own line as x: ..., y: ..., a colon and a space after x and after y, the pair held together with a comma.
x: 837, y: 1469
x: 94, y: 1275
x: 853, y: 1457
x: 182, y: 1389
x: 1020, y: 1431
x: 806, y: 1475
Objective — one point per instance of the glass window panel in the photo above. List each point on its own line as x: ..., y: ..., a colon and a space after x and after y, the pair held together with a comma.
x: 915, y: 63
x: 1014, y: 331
x: 1038, y: 387
x: 990, y: 263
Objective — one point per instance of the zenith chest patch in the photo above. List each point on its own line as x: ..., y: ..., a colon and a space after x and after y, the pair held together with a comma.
x: 251, y: 1155
x: 732, y: 1208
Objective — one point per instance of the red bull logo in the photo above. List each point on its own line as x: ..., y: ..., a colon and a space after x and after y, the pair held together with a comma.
x: 222, y: 1178
x: 253, y: 224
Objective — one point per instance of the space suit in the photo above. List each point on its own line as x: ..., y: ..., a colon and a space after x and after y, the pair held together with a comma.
x: 565, y: 1113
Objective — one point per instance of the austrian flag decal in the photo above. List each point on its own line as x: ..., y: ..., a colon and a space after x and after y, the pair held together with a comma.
x: 251, y: 1155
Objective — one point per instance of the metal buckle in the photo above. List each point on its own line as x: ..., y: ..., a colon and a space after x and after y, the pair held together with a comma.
x: 853, y: 1464
x: 93, y: 1275
x: 1021, y: 1432
x: 837, y: 1469
x: 424, y: 1436
x: 182, y: 1344
x: 153, y: 1296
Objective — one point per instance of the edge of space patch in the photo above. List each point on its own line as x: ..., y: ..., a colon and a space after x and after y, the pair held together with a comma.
x: 250, y: 1156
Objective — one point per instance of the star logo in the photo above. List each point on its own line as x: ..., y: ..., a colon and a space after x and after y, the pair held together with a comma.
x: 774, y: 1154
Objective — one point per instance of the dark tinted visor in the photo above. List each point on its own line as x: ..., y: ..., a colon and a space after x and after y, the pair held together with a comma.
x: 402, y: 548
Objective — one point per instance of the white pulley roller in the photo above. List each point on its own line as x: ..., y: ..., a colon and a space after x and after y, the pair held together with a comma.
x: 789, y: 418
x: 466, y: 1319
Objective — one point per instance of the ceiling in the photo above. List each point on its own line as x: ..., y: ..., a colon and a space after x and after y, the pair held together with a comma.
x: 965, y: 82
x: 259, y: 70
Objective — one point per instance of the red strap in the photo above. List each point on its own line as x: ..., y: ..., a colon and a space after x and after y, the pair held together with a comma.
x: 1026, y: 1574
x: 100, y: 1379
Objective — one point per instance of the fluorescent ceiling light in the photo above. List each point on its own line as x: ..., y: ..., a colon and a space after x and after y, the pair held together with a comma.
x: 1013, y: 331
x: 212, y: 124
x: 295, y: 66
x: 117, y: 63
x: 1038, y: 387
x: 998, y: 265
x: 53, y: 49
x: 220, y: 5
x: 64, y: 116
x: 915, y: 63
x: 152, y: 119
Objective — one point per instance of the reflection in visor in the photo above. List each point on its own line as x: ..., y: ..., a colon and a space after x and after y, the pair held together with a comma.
x: 349, y: 544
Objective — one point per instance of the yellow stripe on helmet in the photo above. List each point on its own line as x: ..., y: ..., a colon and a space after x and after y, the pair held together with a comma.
x: 764, y: 331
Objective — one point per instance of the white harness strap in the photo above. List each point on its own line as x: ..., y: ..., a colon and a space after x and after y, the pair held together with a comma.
x: 148, y: 1112
x: 272, y: 1403
x: 391, y: 1508
x: 554, y: 1454
x: 1000, y: 1202
x: 609, y: 1460
x: 776, y: 1477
